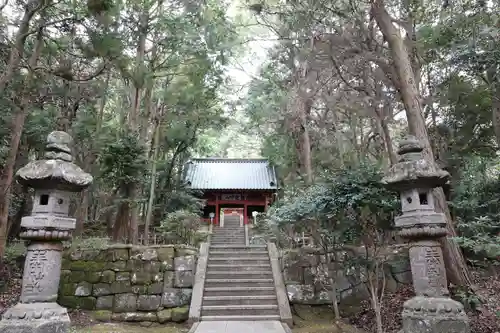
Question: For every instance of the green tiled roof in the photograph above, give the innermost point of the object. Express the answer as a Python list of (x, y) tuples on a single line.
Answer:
[(226, 174)]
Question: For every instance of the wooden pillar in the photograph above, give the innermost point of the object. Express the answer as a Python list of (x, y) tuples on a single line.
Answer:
[(245, 217), (217, 210)]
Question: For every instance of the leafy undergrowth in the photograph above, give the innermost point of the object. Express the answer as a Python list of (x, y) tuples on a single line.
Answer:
[(318, 319), (10, 288), (485, 318)]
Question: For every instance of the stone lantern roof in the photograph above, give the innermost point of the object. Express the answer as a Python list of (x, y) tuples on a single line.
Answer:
[(412, 170), (56, 170)]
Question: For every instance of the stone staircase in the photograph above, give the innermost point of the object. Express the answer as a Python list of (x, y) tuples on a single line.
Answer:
[(238, 280)]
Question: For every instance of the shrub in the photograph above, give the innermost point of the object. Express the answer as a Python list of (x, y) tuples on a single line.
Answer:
[(181, 227)]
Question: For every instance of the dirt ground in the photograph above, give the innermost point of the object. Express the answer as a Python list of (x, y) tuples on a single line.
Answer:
[(124, 328)]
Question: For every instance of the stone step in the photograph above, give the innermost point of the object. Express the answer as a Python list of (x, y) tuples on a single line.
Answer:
[(246, 247), (228, 238), (239, 291), (232, 310), (237, 267), (241, 318), (239, 249), (239, 274), (238, 260), (228, 233), (240, 300), (228, 242), (241, 252), (239, 282)]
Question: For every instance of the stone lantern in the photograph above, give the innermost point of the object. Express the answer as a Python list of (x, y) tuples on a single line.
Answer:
[(431, 310), (54, 179)]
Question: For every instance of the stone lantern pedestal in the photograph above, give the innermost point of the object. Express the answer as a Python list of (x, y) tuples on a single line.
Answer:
[(54, 179), (431, 310)]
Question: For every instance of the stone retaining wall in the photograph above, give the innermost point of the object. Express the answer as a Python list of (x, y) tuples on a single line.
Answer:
[(129, 283), (306, 284)]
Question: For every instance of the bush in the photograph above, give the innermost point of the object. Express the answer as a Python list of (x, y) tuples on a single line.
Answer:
[(181, 227), (13, 251), (476, 206), (95, 243)]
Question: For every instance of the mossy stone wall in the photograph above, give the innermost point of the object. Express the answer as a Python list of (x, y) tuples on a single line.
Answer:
[(130, 283)]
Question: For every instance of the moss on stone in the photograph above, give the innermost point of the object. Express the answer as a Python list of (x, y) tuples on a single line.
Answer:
[(101, 289), (180, 314), (77, 276), (164, 316), (108, 276), (117, 266), (116, 254), (87, 266), (121, 287), (87, 303), (66, 263), (90, 254), (67, 289), (102, 315), (68, 301), (93, 277), (75, 302), (65, 276), (165, 253)]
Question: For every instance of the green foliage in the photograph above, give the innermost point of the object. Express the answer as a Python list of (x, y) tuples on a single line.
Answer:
[(467, 297), (94, 243), (13, 251), (476, 204), (348, 204), (124, 161), (181, 200), (182, 227)]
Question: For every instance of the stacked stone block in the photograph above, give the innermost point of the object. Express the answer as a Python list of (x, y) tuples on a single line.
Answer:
[(305, 284), (129, 283)]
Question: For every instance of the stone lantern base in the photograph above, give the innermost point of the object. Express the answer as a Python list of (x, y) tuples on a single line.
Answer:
[(35, 318), (434, 315)]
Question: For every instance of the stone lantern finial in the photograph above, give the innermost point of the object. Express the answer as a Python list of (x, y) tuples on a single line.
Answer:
[(56, 170), (412, 169), (414, 177), (54, 179)]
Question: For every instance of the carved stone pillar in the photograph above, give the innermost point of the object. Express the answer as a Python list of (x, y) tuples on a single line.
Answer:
[(54, 179), (431, 310)]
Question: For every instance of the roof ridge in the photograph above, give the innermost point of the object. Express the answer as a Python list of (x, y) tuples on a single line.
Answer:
[(229, 160)]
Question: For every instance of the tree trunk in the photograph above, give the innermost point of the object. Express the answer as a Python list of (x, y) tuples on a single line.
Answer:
[(17, 50), (16, 132), (387, 136), (152, 188), (82, 212), (304, 110), (133, 122), (456, 266), (495, 108)]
